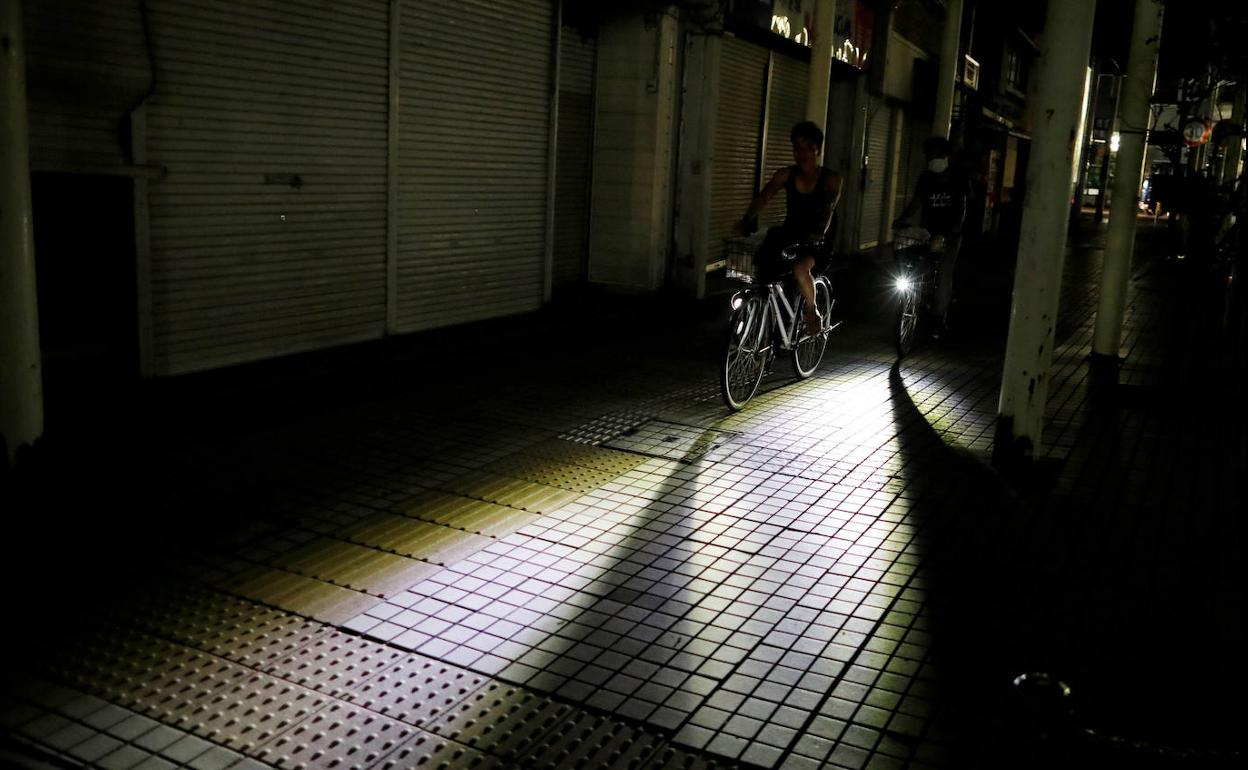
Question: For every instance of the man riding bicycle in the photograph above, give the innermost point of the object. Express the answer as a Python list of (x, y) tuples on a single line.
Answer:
[(811, 194), (940, 199)]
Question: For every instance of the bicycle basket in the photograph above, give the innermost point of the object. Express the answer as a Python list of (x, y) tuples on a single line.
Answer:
[(910, 243)]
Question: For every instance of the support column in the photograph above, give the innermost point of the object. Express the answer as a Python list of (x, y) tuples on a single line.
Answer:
[(21, 384), (1135, 115), (1054, 104), (947, 76), (821, 63)]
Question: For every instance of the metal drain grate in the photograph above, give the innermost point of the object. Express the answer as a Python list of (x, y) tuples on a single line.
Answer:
[(671, 440)]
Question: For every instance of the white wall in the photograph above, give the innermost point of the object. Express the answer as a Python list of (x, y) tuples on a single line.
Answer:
[(633, 144)]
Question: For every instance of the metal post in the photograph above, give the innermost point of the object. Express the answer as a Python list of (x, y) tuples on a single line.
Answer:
[(552, 154), (1103, 190), (21, 384), (1137, 92), (392, 168), (1234, 145), (947, 76), (1054, 102)]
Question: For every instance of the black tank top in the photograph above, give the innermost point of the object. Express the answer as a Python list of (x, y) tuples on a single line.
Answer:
[(803, 212)]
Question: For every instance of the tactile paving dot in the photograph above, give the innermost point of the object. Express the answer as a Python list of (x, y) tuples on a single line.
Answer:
[(335, 663), (226, 702), (429, 752), (417, 690), (264, 638), (341, 735), (111, 661), (583, 740), (505, 721)]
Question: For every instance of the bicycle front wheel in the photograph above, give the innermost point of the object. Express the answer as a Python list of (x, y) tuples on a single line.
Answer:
[(745, 357), (908, 320), (810, 347)]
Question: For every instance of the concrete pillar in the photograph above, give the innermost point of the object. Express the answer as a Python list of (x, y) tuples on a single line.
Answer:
[(1135, 115), (699, 111), (634, 138), (21, 384), (821, 63), (1054, 104), (947, 75)]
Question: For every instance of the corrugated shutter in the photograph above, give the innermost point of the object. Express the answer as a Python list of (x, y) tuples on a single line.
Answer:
[(268, 234), (878, 123), (572, 164), (475, 106), (738, 131), (786, 108), (87, 66)]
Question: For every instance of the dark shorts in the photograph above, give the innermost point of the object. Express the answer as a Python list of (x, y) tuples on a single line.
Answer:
[(771, 265)]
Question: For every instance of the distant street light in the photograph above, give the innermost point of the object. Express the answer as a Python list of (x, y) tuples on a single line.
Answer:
[(1114, 140)]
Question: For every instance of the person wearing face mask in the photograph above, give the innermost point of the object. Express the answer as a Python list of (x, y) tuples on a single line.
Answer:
[(940, 200)]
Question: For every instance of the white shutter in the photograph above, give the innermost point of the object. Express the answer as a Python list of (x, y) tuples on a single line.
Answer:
[(786, 107), (738, 131), (268, 233), (878, 117), (473, 138), (87, 66), (572, 164)]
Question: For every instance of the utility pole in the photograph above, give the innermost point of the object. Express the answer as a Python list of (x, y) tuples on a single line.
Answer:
[(1055, 101), (947, 76), (1137, 93), (21, 384), (1103, 191)]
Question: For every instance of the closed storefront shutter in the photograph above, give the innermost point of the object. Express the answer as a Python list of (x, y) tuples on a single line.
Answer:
[(87, 67), (572, 165), (879, 117), (473, 141), (268, 233), (785, 108), (738, 132)]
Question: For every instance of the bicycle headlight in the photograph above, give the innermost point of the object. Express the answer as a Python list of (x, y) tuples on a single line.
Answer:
[(903, 284), (737, 302)]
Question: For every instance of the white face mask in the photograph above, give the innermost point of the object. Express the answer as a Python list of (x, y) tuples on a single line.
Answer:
[(938, 165)]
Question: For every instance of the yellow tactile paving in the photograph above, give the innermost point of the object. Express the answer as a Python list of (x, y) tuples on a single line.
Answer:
[(516, 493), (303, 595), (478, 516), (354, 566), (415, 539)]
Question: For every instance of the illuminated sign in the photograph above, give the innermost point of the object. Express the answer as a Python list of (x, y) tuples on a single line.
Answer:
[(852, 33), (793, 19)]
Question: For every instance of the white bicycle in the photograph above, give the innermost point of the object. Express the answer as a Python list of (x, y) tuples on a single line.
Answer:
[(769, 317)]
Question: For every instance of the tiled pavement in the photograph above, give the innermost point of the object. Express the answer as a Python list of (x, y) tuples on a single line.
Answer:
[(559, 550)]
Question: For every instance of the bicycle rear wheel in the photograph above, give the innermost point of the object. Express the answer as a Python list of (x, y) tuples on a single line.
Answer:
[(907, 324), (745, 357), (808, 351)]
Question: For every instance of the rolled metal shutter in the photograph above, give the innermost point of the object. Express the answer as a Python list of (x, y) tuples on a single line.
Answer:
[(268, 234), (786, 107), (879, 116), (572, 164), (738, 133), (87, 67), (474, 125)]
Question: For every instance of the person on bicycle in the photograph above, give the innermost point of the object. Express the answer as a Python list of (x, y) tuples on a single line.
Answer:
[(940, 195), (811, 194)]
